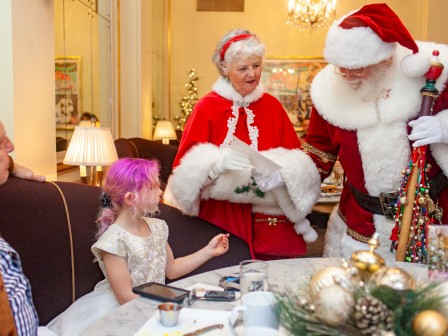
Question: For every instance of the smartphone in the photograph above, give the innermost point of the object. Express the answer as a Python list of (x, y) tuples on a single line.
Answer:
[(219, 295), (230, 282), (161, 292)]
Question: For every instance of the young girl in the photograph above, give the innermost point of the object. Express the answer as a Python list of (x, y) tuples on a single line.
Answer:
[(132, 249)]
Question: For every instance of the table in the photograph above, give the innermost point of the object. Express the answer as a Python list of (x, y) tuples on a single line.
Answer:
[(283, 275)]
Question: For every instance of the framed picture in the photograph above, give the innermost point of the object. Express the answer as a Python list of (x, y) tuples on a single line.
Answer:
[(68, 90), (289, 80)]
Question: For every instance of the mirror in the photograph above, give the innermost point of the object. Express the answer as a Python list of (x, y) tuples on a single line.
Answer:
[(83, 66)]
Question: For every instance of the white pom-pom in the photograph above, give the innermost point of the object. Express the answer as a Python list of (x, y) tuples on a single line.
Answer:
[(304, 228), (415, 65)]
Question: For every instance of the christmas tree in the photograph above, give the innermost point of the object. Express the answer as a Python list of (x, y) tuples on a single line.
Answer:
[(188, 100)]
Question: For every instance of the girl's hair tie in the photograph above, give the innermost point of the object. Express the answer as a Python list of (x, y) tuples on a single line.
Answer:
[(106, 202)]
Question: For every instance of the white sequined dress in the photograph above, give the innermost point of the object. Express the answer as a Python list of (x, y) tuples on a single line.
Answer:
[(146, 260)]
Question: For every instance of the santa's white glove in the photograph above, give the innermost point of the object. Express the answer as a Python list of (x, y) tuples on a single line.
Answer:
[(428, 130), (232, 160), (267, 181)]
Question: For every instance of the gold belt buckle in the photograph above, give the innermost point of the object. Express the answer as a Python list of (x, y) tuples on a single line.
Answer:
[(272, 221)]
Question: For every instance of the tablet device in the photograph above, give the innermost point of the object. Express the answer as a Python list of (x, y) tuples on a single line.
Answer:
[(161, 292)]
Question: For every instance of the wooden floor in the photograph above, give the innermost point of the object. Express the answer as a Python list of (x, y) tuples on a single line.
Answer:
[(318, 221), (315, 250)]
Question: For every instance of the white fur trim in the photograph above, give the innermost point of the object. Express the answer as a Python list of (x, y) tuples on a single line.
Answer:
[(427, 48), (223, 189), (440, 151), (382, 170), (304, 228), (188, 184), (224, 88), (295, 200), (356, 47), (302, 181), (185, 183), (415, 65), (338, 244), (398, 98)]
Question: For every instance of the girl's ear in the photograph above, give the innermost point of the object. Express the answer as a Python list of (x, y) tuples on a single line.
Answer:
[(129, 198)]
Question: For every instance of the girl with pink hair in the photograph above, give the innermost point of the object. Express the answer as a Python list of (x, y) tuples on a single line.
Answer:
[(132, 248)]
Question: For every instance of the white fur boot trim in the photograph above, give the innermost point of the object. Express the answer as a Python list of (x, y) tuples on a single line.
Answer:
[(338, 244)]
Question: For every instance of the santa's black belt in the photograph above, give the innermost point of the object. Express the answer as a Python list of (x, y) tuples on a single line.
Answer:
[(385, 204)]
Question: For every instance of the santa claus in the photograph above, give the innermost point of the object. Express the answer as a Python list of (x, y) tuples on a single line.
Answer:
[(366, 111)]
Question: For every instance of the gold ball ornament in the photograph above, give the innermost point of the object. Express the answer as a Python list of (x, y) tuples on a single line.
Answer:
[(334, 305), (430, 323), (394, 277), (329, 276), (368, 262)]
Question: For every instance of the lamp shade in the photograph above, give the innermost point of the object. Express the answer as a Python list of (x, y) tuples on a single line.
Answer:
[(164, 130), (91, 146)]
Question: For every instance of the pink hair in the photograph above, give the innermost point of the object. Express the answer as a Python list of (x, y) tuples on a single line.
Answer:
[(123, 176)]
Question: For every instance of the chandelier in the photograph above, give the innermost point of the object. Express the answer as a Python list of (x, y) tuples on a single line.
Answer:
[(309, 14)]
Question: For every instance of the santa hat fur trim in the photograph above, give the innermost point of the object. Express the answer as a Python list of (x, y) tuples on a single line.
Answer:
[(355, 48), (366, 37)]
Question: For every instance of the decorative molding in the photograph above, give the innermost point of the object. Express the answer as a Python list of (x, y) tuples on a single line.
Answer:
[(220, 5)]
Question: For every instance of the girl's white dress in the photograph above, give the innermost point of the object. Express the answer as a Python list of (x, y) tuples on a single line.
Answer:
[(146, 260)]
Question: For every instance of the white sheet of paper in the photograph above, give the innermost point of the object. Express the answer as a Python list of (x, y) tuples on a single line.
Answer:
[(256, 159)]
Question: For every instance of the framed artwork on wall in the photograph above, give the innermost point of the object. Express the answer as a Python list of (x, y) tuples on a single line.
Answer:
[(289, 80), (68, 90)]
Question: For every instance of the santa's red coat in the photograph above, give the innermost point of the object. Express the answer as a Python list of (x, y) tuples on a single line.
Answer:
[(369, 135)]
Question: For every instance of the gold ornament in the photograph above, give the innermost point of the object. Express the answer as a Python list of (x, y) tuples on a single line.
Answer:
[(394, 277), (334, 305), (329, 276), (368, 262), (430, 323)]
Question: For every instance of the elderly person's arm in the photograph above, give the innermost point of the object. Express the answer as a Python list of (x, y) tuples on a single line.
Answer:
[(22, 172)]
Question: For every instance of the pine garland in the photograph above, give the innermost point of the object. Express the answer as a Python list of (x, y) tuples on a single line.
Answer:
[(296, 311)]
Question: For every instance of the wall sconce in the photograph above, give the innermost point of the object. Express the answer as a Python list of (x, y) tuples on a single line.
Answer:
[(94, 147), (164, 131)]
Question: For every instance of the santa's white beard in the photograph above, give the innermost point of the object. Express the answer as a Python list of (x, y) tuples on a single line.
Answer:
[(370, 88)]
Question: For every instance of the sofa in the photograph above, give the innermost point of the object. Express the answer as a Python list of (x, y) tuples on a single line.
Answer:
[(148, 149), (52, 227)]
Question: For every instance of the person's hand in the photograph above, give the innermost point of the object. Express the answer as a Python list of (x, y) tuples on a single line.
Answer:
[(219, 244), (428, 130), (267, 181), (26, 174), (232, 160)]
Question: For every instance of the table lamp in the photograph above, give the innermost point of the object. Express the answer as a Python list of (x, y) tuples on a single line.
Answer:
[(164, 131), (94, 147)]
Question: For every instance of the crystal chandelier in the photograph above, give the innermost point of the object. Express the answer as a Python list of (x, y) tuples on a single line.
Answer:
[(309, 14)]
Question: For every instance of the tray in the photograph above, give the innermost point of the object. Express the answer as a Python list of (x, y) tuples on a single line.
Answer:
[(190, 319)]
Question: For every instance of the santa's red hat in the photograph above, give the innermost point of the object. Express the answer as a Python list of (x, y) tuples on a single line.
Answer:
[(369, 36)]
